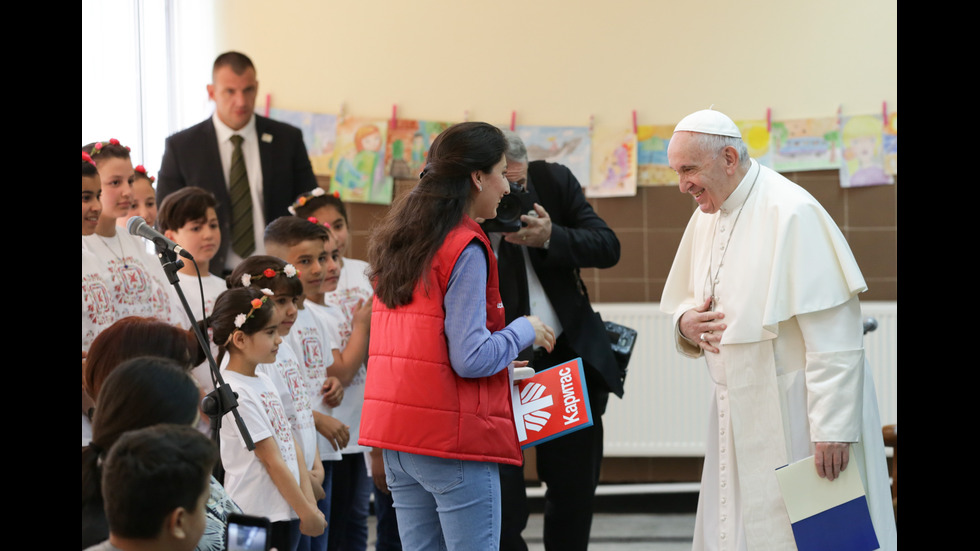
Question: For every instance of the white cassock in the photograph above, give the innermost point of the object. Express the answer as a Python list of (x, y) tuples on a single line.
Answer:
[(791, 368)]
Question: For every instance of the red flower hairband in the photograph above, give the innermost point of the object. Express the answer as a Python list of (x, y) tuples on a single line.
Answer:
[(302, 199), (97, 148), (315, 221), (86, 158), (142, 170)]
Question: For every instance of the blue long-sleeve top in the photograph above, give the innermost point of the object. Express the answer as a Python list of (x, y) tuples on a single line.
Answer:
[(473, 350)]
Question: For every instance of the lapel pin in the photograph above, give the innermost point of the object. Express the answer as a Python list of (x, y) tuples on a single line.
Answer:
[(267, 138)]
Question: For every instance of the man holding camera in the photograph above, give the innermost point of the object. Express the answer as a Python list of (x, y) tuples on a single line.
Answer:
[(539, 274)]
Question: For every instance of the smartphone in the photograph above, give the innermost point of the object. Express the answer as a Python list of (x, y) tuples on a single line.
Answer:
[(247, 533)]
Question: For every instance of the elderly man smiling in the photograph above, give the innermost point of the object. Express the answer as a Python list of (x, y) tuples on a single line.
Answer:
[(765, 287)]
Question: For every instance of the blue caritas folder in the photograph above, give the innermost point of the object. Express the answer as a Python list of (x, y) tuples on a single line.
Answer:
[(824, 514)]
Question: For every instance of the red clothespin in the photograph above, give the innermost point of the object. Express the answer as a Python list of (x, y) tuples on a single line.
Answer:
[(268, 102), (769, 119), (634, 123), (513, 120), (394, 116), (591, 124), (884, 114)]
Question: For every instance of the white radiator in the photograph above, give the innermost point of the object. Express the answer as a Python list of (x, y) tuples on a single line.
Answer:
[(664, 410)]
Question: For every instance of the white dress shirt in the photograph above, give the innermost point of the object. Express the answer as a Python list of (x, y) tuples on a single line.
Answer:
[(253, 167)]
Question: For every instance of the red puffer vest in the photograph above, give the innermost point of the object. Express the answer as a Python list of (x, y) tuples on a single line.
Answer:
[(413, 400)]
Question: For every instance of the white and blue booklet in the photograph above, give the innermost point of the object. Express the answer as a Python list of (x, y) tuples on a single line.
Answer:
[(824, 514)]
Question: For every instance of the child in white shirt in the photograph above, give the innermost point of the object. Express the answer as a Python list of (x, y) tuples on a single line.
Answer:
[(269, 481)]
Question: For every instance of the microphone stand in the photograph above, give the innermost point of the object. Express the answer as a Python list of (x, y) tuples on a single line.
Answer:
[(222, 399)]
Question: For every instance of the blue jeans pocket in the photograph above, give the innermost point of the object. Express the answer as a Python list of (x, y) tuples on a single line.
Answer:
[(436, 474)]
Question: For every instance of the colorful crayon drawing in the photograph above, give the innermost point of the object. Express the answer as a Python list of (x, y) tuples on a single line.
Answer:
[(614, 173), (755, 134), (567, 145), (358, 161), (319, 131), (862, 154), (408, 147), (651, 155), (805, 144), (890, 144)]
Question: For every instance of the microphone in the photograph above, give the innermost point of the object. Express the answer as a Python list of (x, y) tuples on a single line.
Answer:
[(138, 227)]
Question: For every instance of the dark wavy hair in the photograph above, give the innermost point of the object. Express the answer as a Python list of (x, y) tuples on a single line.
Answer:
[(401, 247), (227, 307), (140, 392), (89, 169), (185, 205), (254, 265), (314, 203), (135, 336), (106, 150)]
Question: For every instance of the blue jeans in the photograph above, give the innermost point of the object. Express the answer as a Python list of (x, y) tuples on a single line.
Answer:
[(444, 503)]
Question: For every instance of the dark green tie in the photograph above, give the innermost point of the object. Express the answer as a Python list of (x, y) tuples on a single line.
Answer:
[(242, 228)]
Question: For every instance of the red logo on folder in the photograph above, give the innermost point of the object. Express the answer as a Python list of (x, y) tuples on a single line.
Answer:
[(552, 403)]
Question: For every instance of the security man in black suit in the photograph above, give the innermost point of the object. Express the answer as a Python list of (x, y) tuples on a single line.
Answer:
[(245, 160)]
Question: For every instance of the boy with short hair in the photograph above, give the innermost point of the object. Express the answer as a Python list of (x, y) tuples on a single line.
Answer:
[(347, 325), (189, 218), (301, 243), (155, 484)]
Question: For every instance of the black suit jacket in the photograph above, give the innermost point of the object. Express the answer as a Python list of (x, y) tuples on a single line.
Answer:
[(191, 158), (579, 239)]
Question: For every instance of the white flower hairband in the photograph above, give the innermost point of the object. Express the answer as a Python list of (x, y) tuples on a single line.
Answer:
[(256, 303), (316, 192), (288, 270)]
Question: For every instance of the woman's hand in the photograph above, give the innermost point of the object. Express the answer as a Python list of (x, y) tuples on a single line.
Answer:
[(378, 470), (544, 336)]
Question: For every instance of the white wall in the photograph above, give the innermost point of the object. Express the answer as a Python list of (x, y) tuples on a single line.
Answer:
[(559, 61)]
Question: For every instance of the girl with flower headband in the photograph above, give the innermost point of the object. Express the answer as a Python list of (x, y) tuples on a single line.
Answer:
[(298, 389), (328, 209), (138, 285), (269, 482), (98, 310), (144, 198)]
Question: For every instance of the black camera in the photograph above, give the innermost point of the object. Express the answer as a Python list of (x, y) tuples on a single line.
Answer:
[(509, 211)]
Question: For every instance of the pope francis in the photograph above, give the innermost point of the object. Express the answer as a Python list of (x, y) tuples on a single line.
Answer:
[(765, 287)]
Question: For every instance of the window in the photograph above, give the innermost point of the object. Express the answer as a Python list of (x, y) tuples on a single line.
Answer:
[(145, 65)]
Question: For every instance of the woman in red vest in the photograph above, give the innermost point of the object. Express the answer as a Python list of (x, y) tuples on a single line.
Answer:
[(437, 397)]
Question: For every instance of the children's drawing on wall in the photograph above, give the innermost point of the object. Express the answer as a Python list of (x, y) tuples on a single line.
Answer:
[(890, 144), (319, 131), (755, 134), (651, 155), (805, 144), (358, 161), (614, 166), (567, 145), (862, 153), (408, 146)]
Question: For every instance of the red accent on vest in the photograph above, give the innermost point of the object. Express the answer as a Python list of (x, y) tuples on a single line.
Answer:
[(413, 400)]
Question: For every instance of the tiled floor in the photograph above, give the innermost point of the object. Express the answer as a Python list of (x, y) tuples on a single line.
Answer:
[(630, 530)]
